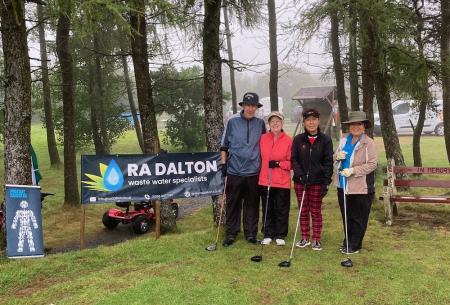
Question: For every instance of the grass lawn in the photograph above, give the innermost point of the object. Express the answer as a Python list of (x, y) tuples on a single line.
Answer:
[(407, 263)]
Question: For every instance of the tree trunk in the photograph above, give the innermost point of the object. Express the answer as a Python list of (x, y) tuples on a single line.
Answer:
[(212, 78), (230, 56), (353, 58), (390, 137), (137, 124), (50, 129), (338, 71), (367, 68), (71, 196), (418, 133), (17, 81), (273, 81), (142, 77), (100, 96), (445, 70), (98, 145), (425, 96)]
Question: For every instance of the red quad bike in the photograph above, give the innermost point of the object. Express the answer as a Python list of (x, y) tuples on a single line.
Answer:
[(141, 217)]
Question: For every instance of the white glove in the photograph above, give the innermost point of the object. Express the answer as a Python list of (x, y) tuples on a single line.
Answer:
[(347, 172), (341, 155)]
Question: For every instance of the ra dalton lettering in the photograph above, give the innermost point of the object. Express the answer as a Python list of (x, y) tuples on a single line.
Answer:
[(172, 168)]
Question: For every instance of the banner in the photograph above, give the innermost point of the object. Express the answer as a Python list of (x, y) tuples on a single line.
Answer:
[(23, 221), (119, 178)]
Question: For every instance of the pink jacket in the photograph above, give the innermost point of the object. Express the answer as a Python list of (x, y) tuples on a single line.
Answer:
[(277, 150)]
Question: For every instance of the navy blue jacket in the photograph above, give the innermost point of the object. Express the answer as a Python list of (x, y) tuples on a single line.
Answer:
[(241, 141)]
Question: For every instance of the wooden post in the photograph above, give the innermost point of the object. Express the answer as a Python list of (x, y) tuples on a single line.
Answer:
[(158, 219), (388, 191), (82, 225)]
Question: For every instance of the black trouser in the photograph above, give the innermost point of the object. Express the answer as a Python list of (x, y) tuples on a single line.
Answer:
[(277, 219), (242, 192), (358, 210)]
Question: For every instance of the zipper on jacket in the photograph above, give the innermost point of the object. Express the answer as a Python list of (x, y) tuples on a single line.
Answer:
[(309, 164), (248, 131)]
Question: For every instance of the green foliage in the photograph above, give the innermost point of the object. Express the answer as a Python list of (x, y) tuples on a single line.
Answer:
[(180, 95)]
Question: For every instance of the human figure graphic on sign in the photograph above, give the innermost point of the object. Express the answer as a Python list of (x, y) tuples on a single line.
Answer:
[(25, 217)]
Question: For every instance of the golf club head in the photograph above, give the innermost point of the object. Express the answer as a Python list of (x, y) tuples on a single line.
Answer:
[(256, 258), (285, 264), (211, 247), (347, 263)]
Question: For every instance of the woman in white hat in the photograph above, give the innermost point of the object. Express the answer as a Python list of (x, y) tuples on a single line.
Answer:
[(275, 172), (356, 161)]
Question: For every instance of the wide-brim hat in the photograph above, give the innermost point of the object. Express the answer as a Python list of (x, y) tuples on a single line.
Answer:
[(358, 116), (275, 114), (251, 98)]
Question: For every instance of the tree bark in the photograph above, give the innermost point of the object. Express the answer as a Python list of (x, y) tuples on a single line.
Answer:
[(418, 133), (353, 57), (445, 70), (390, 137), (230, 57), (338, 71), (140, 57), (48, 115), (424, 93), (367, 68), (273, 81), (96, 138), (212, 79), (137, 124), (71, 196), (100, 96), (17, 80)]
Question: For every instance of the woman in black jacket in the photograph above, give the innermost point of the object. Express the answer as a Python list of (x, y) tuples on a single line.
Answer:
[(312, 162)]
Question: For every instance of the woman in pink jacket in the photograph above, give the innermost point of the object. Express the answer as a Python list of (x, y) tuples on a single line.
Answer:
[(275, 172)]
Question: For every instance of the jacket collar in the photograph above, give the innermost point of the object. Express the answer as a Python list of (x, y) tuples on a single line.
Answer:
[(282, 135)]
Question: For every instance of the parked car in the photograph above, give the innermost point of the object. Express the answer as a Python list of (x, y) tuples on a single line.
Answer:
[(406, 114)]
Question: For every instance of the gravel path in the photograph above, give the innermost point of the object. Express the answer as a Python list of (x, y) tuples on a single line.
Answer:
[(124, 232)]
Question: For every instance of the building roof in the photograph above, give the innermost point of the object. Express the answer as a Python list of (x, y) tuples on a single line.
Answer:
[(313, 92)]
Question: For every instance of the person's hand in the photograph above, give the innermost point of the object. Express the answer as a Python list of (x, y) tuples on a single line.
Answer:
[(347, 172), (304, 180), (224, 169), (273, 163), (323, 190), (341, 155)]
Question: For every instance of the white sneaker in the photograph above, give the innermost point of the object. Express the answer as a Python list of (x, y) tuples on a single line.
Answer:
[(280, 242), (266, 241)]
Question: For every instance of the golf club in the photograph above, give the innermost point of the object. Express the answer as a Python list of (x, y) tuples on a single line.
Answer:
[(213, 247), (347, 262), (287, 263), (258, 258)]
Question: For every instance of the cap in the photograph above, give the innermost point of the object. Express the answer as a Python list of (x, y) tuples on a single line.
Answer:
[(275, 114), (311, 112)]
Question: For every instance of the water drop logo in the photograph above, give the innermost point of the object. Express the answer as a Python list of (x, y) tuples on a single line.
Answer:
[(110, 179)]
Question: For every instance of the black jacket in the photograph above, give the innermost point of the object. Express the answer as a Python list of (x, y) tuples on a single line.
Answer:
[(312, 164)]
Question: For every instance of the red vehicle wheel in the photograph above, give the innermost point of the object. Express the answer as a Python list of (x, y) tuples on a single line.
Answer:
[(141, 225), (109, 222)]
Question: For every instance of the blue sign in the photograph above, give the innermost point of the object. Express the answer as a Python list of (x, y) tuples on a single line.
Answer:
[(118, 178), (23, 221)]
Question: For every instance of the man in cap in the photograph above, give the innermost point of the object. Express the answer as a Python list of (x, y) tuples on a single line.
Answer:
[(241, 162)]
